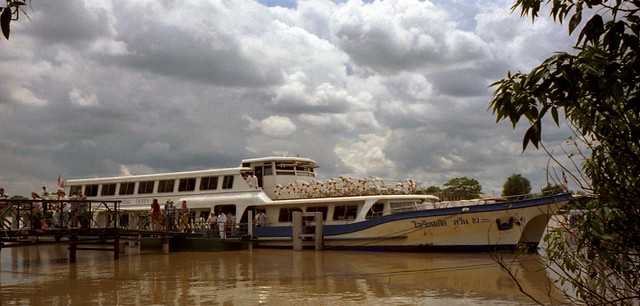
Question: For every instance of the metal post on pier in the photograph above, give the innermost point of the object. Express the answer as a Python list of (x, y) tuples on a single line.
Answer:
[(250, 223), (296, 230)]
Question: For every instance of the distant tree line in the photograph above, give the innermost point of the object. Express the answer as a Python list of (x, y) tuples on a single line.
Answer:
[(466, 188)]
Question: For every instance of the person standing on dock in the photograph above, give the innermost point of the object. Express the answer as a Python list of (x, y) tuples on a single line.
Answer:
[(3, 196), (170, 215), (184, 217), (211, 221), (155, 215), (222, 222), (231, 223), (45, 193)]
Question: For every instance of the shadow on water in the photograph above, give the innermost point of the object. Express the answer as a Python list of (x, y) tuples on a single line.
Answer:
[(41, 275)]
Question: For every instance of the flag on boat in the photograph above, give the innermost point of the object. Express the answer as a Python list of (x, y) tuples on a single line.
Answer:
[(60, 183)]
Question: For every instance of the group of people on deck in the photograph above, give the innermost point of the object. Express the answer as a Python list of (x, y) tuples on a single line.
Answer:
[(218, 222), (45, 212), (224, 224), (171, 218)]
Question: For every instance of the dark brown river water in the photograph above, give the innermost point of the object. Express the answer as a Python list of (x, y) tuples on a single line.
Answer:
[(41, 276)]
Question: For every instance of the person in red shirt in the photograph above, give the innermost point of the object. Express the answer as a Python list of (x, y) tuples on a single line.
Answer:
[(155, 215)]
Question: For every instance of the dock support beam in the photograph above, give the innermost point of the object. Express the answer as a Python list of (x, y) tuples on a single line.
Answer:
[(116, 246), (250, 223), (165, 245), (319, 235), (72, 248), (296, 230)]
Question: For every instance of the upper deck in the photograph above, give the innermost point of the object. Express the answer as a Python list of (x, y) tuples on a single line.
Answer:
[(254, 175)]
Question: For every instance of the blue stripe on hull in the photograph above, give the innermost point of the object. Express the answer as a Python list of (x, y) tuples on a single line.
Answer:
[(340, 229), (528, 247)]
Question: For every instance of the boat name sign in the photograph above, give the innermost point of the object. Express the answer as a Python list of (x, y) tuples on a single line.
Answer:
[(442, 222)]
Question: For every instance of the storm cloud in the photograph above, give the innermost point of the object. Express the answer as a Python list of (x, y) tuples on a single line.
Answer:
[(395, 89)]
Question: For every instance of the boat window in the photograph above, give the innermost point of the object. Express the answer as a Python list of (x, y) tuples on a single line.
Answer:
[(187, 184), (209, 183), (91, 190), (397, 207), (285, 169), (375, 211), (227, 209), (75, 190), (322, 209), (127, 188), (268, 170), (124, 221), (227, 182), (286, 214), (165, 186), (108, 189), (246, 165), (245, 214), (345, 212), (146, 187)]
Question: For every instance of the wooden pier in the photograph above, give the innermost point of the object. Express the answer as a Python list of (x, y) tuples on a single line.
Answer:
[(71, 222)]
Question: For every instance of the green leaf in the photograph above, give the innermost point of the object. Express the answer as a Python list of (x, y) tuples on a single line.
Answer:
[(554, 114), (528, 135), (5, 21), (575, 21), (592, 30)]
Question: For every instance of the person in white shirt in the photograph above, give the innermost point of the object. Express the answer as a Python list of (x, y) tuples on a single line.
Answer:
[(254, 180), (222, 221), (261, 219)]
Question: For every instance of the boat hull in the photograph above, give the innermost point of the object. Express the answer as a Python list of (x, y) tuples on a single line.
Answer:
[(505, 225)]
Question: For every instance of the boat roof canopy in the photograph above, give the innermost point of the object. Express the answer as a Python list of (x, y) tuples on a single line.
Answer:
[(222, 171), (280, 158)]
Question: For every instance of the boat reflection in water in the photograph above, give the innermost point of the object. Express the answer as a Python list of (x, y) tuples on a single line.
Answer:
[(41, 276)]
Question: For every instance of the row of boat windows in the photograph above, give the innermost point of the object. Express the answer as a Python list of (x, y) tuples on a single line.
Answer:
[(146, 187), (281, 169), (340, 213), (348, 212)]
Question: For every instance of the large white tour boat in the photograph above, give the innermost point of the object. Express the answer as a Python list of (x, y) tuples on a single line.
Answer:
[(357, 213)]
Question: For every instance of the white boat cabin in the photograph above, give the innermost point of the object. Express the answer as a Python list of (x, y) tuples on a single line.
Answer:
[(255, 185)]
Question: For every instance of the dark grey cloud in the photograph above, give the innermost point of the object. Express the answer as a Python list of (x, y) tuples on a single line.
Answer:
[(210, 55), (90, 88), (461, 82), (65, 22)]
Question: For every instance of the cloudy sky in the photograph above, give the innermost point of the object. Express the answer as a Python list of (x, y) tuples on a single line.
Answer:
[(393, 89)]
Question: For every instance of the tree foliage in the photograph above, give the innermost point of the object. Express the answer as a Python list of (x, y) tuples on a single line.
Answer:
[(10, 12), (516, 184), (597, 89), (433, 190), (463, 187), (552, 189)]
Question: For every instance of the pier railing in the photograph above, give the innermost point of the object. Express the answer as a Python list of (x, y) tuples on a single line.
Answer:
[(42, 214)]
